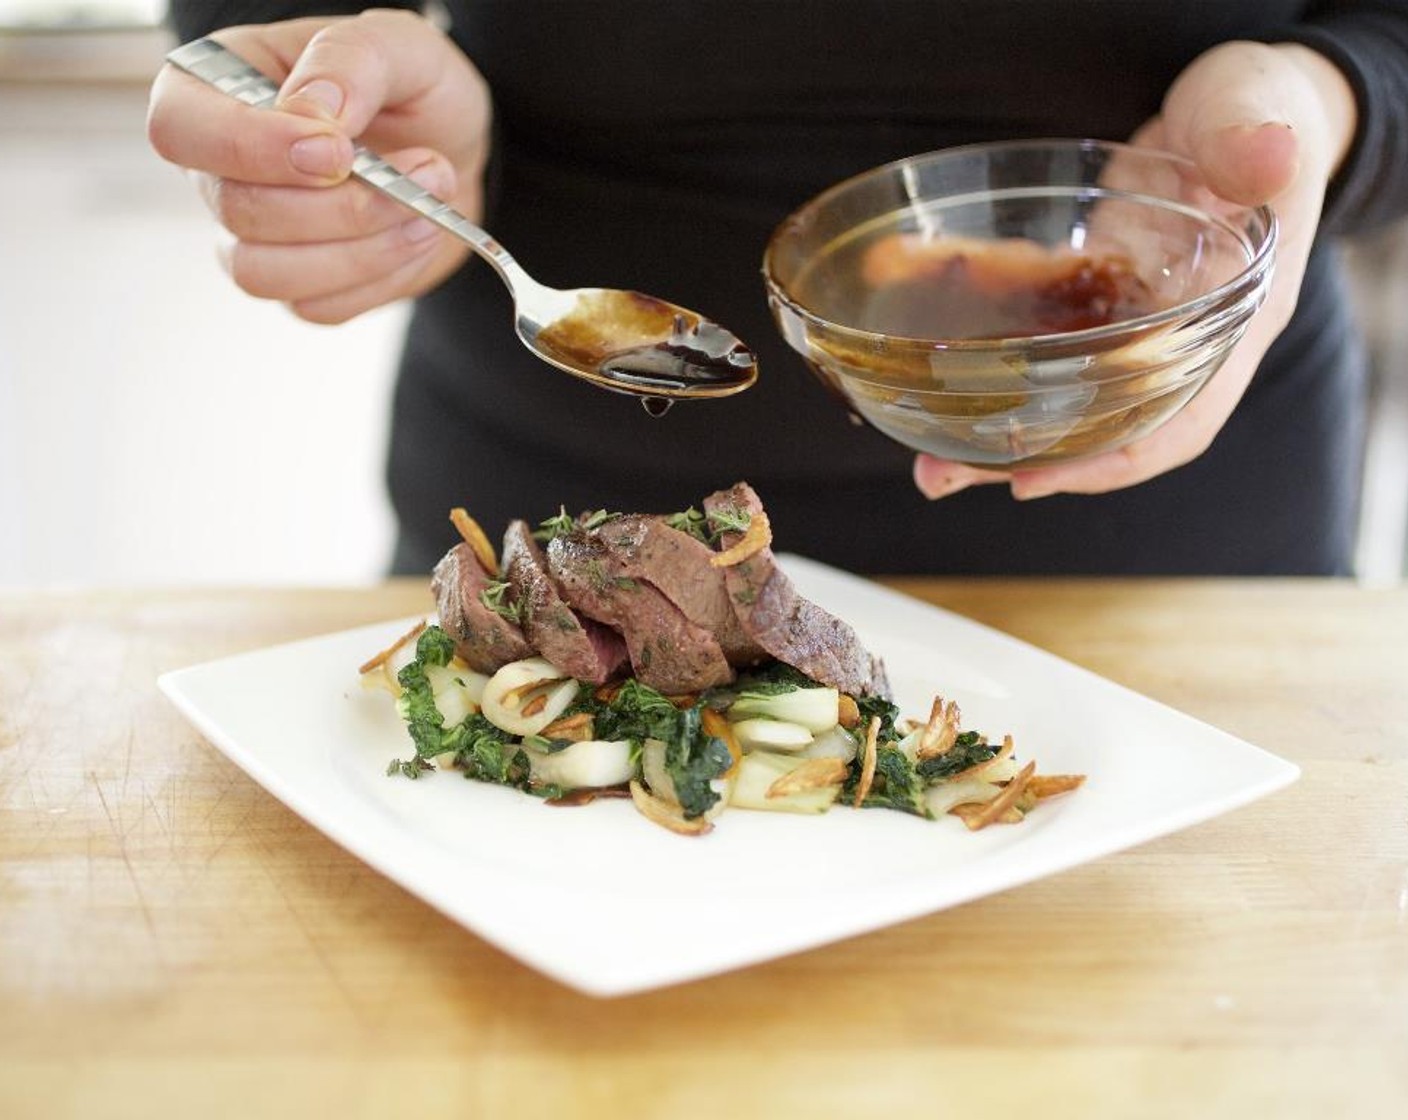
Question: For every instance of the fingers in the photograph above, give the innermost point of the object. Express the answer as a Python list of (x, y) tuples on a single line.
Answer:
[(335, 252), (1232, 112), (298, 272), (352, 68), (198, 127), (384, 77), (370, 73), (1254, 115), (278, 180), (1264, 124), (1249, 164), (291, 215), (407, 279), (194, 126), (1179, 442), (938, 478)]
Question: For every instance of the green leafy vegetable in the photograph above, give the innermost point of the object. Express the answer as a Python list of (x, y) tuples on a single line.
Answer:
[(488, 753), (969, 749), (897, 785), (636, 712), (480, 749), (773, 679), (416, 703), (876, 705), (693, 759)]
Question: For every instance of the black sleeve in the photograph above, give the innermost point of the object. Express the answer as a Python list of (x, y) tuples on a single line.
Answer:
[(190, 19), (1368, 41)]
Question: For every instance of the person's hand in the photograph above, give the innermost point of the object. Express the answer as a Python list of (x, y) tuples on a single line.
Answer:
[(300, 230), (1264, 124)]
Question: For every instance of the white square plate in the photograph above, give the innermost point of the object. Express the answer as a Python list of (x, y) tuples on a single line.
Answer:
[(606, 902)]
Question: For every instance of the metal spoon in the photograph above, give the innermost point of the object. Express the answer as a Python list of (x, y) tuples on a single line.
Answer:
[(614, 339)]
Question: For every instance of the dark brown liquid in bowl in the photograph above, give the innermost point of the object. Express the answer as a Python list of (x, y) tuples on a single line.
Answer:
[(958, 289), (1003, 406)]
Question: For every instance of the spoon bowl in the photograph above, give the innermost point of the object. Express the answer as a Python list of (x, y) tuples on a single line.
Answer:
[(619, 340)]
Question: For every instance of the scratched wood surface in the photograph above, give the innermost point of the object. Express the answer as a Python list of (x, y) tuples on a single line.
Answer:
[(173, 941)]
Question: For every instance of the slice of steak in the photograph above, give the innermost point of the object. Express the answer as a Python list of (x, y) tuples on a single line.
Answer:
[(579, 647), (483, 637), (677, 565), (667, 651), (790, 627)]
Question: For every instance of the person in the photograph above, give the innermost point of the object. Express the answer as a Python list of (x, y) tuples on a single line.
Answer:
[(655, 146)]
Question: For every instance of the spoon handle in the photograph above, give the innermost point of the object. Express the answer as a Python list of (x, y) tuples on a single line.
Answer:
[(222, 68)]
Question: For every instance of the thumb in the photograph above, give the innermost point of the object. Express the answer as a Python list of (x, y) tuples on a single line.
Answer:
[(354, 68), (1233, 112)]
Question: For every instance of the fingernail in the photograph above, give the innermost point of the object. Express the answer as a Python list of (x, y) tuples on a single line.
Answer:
[(324, 96), (325, 156), (419, 229)]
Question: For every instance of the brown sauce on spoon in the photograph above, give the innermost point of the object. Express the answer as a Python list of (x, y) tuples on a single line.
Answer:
[(645, 345)]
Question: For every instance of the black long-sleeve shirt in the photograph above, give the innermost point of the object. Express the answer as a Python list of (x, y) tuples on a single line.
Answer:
[(656, 145)]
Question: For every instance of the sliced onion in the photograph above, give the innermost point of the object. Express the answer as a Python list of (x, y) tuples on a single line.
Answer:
[(525, 696), (590, 764), (771, 735)]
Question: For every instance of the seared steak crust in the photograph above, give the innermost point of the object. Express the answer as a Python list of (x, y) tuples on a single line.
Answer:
[(667, 651), (483, 637), (580, 648), (634, 589), (677, 565), (791, 628)]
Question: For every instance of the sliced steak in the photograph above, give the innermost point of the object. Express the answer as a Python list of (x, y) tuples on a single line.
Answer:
[(579, 647), (482, 636), (677, 565), (791, 628), (667, 651)]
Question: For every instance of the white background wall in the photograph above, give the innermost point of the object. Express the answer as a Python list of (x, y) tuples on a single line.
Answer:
[(156, 425)]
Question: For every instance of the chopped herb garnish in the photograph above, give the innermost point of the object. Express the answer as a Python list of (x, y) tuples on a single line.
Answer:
[(690, 521), (729, 519), (554, 527), (596, 519), (563, 523), (497, 596)]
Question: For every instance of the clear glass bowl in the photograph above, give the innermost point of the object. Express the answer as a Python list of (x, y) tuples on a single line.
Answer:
[(1026, 302)]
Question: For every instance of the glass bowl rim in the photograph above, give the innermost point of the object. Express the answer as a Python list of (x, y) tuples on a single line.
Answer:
[(1260, 262)]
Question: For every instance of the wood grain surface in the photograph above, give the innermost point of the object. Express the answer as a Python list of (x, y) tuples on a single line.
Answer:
[(175, 942)]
